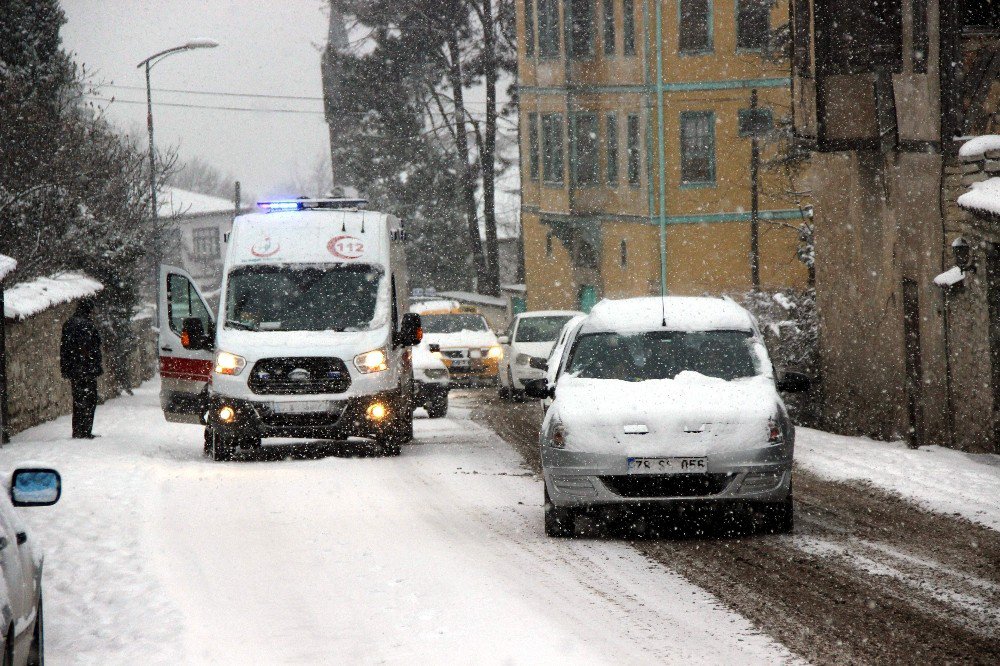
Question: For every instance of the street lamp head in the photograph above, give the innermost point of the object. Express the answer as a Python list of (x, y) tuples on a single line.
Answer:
[(201, 43)]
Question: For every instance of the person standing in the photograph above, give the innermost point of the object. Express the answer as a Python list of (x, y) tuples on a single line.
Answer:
[(81, 363)]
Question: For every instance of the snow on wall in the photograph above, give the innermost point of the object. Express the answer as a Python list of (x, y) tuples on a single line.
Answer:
[(984, 196), (7, 265), (978, 146), (27, 299)]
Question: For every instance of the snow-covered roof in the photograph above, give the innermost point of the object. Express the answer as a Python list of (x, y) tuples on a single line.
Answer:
[(983, 197), (7, 265), (682, 313), (978, 146), (26, 299), (173, 201), (478, 299)]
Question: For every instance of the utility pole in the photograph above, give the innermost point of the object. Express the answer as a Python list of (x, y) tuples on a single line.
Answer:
[(755, 131)]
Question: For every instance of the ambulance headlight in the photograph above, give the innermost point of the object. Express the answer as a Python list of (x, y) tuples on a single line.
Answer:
[(373, 361), (229, 364)]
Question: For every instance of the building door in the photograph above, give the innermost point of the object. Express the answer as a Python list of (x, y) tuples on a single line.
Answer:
[(993, 295), (914, 365), (588, 297)]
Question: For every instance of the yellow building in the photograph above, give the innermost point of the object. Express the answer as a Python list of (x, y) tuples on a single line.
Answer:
[(593, 158)]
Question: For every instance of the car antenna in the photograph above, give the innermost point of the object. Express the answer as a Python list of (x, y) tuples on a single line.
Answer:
[(362, 221), (343, 223)]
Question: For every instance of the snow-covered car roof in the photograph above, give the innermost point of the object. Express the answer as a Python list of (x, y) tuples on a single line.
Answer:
[(681, 313), (437, 306), (549, 313)]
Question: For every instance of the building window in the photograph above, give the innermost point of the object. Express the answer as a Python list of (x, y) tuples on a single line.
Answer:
[(205, 243), (548, 245), (608, 12), (697, 148), (753, 24), (634, 158), (533, 146), (695, 32), (585, 149), (612, 137), (548, 28), (628, 27), (841, 27), (583, 27), (623, 254), (552, 147), (529, 27)]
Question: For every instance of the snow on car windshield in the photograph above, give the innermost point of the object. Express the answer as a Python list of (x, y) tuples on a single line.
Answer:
[(663, 355), (454, 323), (540, 329), (283, 298)]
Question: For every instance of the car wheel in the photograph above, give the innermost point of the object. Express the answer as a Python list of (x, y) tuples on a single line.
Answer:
[(559, 523), (36, 654), (437, 405), (223, 446)]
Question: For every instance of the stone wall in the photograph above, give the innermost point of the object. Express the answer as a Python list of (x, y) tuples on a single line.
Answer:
[(36, 390)]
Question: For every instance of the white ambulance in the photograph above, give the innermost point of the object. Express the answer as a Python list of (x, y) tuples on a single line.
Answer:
[(312, 338)]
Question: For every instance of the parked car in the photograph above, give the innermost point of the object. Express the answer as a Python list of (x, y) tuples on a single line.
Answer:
[(21, 597), (431, 381), (663, 402), (553, 364), (467, 346), (530, 335)]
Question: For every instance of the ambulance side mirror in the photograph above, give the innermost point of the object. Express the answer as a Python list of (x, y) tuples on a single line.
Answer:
[(194, 336), (411, 331)]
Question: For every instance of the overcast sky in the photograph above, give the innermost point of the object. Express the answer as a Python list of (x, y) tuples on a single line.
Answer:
[(267, 47)]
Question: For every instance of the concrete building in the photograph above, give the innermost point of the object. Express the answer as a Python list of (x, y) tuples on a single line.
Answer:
[(600, 172), (900, 358)]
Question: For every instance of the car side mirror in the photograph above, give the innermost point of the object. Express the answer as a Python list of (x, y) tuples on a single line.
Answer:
[(504, 339), (539, 389), (434, 347), (35, 486), (411, 331), (794, 382), (193, 334), (538, 363)]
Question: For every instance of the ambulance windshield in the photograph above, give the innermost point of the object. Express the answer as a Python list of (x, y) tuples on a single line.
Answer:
[(297, 298)]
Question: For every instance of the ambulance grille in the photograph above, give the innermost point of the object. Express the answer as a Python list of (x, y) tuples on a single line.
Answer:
[(299, 376)]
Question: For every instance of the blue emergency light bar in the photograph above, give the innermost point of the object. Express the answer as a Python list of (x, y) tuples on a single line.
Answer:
[(280, 205)]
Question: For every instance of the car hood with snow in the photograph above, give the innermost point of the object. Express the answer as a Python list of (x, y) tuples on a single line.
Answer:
[(689, 415), (255, 345)]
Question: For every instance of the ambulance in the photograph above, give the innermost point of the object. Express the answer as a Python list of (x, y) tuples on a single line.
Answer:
[(312, 339)]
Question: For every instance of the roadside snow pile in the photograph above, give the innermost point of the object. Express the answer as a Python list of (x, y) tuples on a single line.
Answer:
[(984, 196), (7, 265), (26, 299), (938, 479)]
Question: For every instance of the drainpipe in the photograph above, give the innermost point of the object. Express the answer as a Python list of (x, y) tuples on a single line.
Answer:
[(662, 149)]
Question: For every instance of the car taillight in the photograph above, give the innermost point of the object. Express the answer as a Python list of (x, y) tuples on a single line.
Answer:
[(774, 434), (559, 437)]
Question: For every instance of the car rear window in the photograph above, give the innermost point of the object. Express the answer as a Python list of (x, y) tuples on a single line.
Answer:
[(540, 329)]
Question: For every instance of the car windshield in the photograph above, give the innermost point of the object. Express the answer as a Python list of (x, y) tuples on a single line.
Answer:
[(540, 329), (454, 323), (663, 355), (313, 298)]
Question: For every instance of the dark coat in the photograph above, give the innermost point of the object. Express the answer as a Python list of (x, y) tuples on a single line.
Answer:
[(80, 350)]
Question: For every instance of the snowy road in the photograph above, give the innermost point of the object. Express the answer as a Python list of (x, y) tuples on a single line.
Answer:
[(157, 555)]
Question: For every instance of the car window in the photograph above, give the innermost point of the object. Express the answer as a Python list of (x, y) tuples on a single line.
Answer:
[(663, 355), (540, 329), (454, 323)]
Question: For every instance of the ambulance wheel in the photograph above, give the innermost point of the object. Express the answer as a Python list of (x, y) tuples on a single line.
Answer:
[(223, 446)]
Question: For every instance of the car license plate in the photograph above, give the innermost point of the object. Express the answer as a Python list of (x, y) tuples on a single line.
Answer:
[(303, 407), (460, 363), (667, 465)]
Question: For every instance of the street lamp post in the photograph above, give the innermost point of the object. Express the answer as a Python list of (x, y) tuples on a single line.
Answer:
[(148, 64)]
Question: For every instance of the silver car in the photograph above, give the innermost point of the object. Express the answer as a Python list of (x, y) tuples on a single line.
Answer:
[(666, 401)]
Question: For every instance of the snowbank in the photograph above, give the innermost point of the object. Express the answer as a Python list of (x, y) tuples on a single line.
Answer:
[(7, 265), (984, 196), (682, 313), (978, 146), (26, 299), (936, 478)]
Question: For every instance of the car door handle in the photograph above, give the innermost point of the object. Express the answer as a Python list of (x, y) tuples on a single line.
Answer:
[(167, 349), (21, 538)]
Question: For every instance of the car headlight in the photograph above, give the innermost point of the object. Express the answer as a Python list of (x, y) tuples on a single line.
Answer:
[(229, 364), (372, 361), (523, 359), (495, 352)]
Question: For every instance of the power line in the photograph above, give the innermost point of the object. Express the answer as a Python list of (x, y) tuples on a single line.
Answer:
[(216, 93), (205, 106)]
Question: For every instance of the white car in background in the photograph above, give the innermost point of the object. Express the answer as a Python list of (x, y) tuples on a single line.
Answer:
[(531, 335), (21, 597), (431, 381), (665, 402)]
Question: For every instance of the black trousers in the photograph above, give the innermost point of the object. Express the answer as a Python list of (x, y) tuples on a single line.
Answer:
[(84, 404)]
